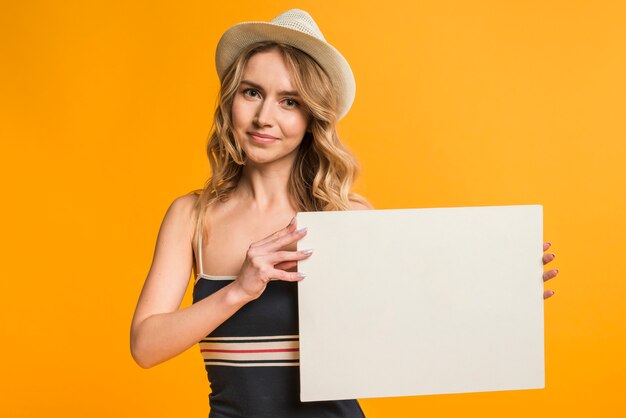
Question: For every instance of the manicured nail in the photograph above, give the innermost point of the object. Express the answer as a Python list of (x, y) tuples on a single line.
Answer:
[(301, 230), (301, 275), (309, 251)]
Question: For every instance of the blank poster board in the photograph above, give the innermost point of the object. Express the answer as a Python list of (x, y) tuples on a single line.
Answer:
[(421, 301)]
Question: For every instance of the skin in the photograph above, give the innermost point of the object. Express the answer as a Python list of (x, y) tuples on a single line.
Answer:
[(254, 243), (549, 274)]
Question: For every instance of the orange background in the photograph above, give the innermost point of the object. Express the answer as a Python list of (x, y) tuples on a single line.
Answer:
[(105, 111)]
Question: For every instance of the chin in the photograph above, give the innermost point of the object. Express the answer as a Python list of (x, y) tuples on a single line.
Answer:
[(265, 158)]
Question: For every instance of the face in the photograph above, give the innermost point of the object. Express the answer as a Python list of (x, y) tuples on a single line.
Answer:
[(269, 120)]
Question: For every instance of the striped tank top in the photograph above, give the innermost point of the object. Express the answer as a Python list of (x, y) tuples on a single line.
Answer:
[(252, 358)]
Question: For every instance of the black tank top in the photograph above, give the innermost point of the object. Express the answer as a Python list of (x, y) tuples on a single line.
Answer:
[(252, 359)]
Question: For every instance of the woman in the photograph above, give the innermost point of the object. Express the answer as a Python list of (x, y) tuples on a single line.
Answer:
[(274, 151)]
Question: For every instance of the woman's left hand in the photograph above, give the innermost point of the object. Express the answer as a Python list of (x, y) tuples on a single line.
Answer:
[(550, 274)]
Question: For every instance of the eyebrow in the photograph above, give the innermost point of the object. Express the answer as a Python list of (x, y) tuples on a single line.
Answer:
[(280, 93)]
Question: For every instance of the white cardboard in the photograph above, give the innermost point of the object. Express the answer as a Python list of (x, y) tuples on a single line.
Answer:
[(421, 301)]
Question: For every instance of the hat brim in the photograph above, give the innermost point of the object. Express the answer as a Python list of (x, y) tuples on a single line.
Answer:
[(332, 62)]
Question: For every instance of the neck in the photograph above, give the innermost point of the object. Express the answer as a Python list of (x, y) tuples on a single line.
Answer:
[(266, 186)]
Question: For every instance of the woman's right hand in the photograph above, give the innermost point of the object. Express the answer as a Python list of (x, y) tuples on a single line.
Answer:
[(264, 261)]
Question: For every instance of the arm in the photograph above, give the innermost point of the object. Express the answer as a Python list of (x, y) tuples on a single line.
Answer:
[(159, 330)]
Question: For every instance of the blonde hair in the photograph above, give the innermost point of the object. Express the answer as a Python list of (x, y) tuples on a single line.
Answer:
[(324, 169)]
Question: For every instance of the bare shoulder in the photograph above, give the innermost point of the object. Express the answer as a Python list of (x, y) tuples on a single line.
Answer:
[(180, 212), (184, 203), (360, 203)]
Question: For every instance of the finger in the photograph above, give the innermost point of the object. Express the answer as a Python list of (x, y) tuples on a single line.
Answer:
[(295, 276), (286, 265), (286, 230), (548, 293), (281, 256), (284, 240), (546, 245), (547, 258), (550, 274)]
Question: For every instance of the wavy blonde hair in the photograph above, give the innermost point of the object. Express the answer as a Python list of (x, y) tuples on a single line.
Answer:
[(324, 169)]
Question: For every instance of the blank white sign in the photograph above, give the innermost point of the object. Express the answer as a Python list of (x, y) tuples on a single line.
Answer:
[(421, 301)]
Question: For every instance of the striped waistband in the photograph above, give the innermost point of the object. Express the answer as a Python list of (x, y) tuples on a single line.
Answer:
[(278, 350)]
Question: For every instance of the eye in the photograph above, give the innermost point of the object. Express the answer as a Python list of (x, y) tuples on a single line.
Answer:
[(250, 93), (290, 103)]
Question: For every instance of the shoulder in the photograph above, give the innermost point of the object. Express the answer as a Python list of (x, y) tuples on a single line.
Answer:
[(359, 203), (183, 207), (180, 214), (184, 204)]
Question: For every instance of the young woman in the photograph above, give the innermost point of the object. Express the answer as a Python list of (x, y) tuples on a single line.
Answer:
[(274, 151)]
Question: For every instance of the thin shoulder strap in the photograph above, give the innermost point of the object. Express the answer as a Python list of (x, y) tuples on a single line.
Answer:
[(200, 247)]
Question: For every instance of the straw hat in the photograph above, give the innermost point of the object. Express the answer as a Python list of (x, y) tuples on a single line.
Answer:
[(296, 28)]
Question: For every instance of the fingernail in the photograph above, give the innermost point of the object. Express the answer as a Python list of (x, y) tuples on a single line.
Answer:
[(292, 221), (549, 243), (301, 275), (553, 255), (301, 230), (309, 251)]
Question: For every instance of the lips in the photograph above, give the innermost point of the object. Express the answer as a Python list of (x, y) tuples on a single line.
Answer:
[(262, 138)]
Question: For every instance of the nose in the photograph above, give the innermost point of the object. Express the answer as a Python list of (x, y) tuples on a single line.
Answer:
[(264, 114)]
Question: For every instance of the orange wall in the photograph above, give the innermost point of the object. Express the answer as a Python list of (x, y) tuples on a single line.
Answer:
[(105, 109)]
